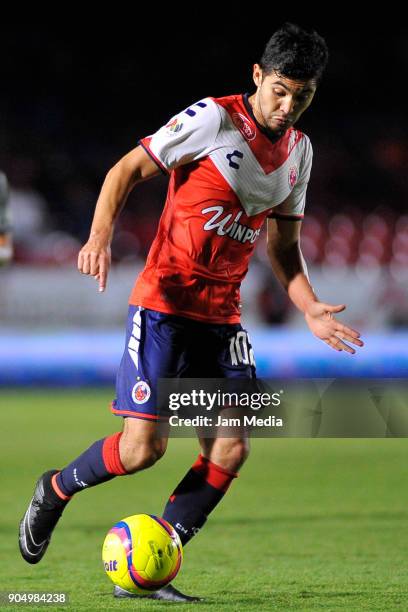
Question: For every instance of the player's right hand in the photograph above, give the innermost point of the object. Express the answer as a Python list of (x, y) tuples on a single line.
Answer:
[(95, 259)]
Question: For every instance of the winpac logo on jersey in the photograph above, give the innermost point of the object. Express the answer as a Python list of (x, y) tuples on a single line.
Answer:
[(226, 227)]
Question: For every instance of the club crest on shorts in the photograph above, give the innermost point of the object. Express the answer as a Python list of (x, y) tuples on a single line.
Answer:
[(141, 392), (292, 176)]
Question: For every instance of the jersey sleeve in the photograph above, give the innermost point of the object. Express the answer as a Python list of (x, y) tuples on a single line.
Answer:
[(186, 137), (294, 206)]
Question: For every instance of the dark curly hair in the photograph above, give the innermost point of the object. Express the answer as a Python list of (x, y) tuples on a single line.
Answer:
[(295, 53)]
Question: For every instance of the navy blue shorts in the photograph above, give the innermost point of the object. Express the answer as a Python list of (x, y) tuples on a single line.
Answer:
[(160, 345)]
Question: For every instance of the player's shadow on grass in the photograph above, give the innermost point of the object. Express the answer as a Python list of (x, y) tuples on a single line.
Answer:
[(153, 604), (310, 594), (266, 520)]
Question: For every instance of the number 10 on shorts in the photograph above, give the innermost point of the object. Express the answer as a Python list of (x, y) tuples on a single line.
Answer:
[(241, 350)]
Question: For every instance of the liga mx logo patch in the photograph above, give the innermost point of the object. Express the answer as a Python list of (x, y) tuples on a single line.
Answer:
[(141, 392), (174, 126), (292, 176)]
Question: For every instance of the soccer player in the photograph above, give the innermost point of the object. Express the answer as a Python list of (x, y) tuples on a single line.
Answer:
[(6, 244), (233, 163)]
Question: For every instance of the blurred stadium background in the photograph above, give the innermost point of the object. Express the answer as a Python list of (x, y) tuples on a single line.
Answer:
[(322, 520), (72, 108)]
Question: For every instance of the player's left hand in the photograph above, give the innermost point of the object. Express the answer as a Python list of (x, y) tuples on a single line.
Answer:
[(324, 325)]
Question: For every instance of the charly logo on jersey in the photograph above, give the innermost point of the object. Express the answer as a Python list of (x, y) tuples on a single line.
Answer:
[(244, 126), (292, 176), (141, 392), (174, 126), (225, 227)]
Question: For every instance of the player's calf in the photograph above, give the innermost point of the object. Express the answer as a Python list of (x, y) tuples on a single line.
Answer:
[(196, 496), (228, 453), (101, 462), (120, 454), (140, 446), (136, 455), (139, 457)]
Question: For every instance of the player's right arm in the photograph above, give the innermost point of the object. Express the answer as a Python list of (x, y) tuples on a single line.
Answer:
[(188, 136), (95, 256)]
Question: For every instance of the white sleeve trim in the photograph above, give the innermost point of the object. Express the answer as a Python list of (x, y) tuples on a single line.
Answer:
[(187, 136)]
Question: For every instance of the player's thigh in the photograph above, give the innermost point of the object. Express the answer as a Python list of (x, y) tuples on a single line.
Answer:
[(235, 355), (231, 357), (155, 349), (221, 351)]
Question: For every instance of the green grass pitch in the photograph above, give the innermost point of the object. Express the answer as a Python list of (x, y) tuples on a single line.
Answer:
[(310, 524)]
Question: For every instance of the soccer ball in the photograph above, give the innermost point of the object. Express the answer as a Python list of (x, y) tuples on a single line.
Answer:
[(142, 553)]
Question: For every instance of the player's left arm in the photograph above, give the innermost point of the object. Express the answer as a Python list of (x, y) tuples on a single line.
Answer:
[(289, 266)]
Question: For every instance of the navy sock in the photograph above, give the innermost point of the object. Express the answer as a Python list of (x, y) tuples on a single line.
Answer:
[(99, 463), (201, 489)]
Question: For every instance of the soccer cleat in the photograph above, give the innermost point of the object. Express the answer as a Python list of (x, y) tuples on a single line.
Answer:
[(40, 519), (167, 593)]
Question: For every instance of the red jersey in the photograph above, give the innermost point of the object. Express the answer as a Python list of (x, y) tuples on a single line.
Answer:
[(226, 176)]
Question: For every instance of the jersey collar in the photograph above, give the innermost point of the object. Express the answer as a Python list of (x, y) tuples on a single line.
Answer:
[(260, 127)]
